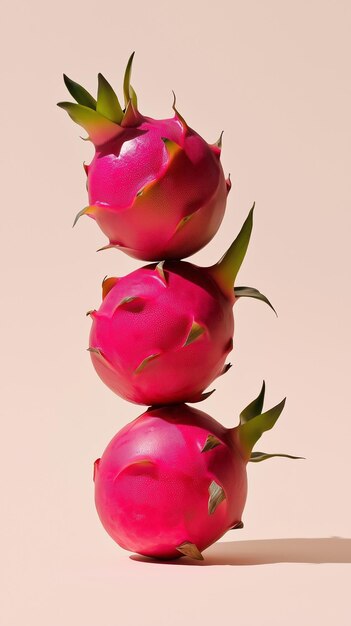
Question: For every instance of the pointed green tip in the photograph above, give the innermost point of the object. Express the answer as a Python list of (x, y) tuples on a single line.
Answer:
[(219, 141), (161, 272), (107, 101), (201, 397), (191, 550), (177, 114), (251, 431), (88, 210), (226, 270), (251, 292), (257, 457), (81, 95), (255, 407), (195, 333), (126, 80), (210, 443), (145, 362), (216, 496), (253, 423)]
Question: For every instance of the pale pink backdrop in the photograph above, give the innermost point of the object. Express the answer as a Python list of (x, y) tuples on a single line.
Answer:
[(275, 75)]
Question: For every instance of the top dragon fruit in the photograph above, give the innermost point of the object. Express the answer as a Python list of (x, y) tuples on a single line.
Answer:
[(156, 188)]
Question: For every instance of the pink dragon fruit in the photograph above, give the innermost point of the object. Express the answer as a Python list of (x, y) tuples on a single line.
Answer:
[(174, 480), (156, 188), (163, 332)]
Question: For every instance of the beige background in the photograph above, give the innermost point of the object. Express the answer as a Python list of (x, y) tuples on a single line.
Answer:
[(275, 75)]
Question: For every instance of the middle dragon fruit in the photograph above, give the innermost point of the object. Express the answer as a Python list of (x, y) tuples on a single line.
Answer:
[(156, 188), (163, 332)]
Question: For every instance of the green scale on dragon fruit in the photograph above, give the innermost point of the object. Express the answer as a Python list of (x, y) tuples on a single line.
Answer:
[(162, 333), (156, 188)]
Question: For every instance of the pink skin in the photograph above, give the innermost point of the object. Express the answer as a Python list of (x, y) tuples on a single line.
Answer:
[(179, 180), (158, 322), (152, 482)]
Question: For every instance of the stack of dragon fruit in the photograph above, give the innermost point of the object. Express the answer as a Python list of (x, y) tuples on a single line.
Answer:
[(174, 480)]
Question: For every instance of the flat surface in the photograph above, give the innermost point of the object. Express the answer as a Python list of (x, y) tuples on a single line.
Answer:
[(275, 76), (295, 580)]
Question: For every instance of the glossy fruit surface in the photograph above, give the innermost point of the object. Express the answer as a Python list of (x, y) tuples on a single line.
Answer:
[(152, 483), (174, 480), (163, 332), (156, 188), (162, 336)]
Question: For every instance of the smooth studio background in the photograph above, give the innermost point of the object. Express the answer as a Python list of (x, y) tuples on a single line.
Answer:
[(275, 76)]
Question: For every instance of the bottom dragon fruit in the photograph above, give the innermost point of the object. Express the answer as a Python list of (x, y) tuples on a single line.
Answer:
[(174, 480)]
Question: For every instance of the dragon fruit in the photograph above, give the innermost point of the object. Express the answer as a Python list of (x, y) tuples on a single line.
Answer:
[(163, 332), (156, 188), (174, 480)]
